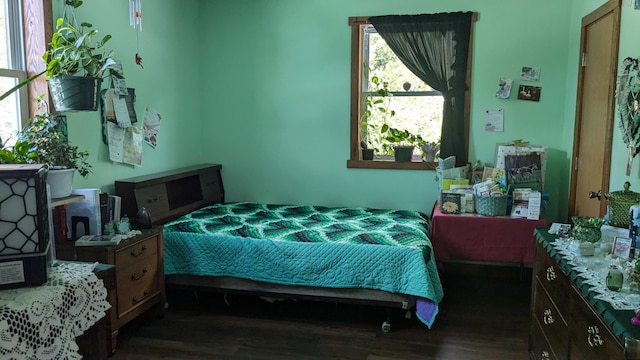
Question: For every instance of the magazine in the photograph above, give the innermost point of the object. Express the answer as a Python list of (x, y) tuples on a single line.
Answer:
[(98, 240)]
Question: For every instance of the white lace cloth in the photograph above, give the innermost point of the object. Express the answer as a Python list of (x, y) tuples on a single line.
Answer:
[(594, 269), (43, 322)]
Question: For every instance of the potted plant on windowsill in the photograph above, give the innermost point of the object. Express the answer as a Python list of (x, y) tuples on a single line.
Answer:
[(430, 150), (43, 142), (400, 143), (76, 63)]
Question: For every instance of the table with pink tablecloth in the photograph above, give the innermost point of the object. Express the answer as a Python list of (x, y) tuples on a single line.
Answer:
[(473, 237)]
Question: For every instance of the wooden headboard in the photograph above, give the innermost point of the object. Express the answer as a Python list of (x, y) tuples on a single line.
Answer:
[(170, 194)]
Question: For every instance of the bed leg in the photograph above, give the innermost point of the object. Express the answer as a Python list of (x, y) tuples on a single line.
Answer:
[(195, 294), (386, 325)]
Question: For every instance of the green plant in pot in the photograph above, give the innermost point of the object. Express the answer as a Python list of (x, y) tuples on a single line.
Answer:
[(400, 143), (76, 62), (376, 103), (42, 141)]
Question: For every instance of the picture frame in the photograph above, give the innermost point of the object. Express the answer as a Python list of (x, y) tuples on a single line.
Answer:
[(621, 247)]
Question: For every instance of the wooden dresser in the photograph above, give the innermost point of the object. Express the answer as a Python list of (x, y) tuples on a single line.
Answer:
[(566, 321), (139, 276)]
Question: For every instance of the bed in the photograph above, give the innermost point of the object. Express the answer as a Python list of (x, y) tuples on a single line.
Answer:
[(342, 254)]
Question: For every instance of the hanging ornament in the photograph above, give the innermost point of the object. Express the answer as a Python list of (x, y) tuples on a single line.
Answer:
[(135, 20), (135, 14)]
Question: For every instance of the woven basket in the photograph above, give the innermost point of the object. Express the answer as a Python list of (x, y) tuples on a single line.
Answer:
[(492, 205)]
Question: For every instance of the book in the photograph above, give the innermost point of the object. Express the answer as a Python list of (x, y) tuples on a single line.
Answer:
[(100, 240), (450, 202)]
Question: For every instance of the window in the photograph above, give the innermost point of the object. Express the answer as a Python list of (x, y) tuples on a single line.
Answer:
[(413, 105), (25, 26), (411, 98), (14, 109)]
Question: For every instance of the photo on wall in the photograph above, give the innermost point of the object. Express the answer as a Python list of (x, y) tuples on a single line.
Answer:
[(530, 73), (531, 93)]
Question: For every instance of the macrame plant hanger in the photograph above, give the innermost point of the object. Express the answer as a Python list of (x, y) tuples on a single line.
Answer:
[(628, 97), (135, 20)]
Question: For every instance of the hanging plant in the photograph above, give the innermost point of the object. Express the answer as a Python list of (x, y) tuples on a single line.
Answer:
[(627, 99)]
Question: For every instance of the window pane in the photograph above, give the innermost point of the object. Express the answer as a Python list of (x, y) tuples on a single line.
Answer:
[(9, 119), (4, 38)]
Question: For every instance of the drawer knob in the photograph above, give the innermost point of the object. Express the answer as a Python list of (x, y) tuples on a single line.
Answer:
[(545, 355), (593, 338), (551, 274), (135, 276), (547, 318), (136, 300), (142, 250)]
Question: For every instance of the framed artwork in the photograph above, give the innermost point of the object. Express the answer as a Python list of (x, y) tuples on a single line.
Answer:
[(621, 247)]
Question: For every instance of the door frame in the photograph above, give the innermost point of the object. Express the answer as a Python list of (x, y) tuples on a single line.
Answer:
[(612, 6)]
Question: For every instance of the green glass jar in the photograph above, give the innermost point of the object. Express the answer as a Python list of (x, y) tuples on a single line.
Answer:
[(614, 278)]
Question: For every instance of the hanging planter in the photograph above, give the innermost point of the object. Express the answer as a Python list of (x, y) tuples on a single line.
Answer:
[(627, 98), (75, 93), (76, 63)]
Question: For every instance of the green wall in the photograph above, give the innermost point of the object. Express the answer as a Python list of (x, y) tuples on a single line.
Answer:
[(262, 87), (169, 83), (281, 120)]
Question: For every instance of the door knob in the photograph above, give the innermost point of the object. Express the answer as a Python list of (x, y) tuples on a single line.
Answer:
[(593, 194)]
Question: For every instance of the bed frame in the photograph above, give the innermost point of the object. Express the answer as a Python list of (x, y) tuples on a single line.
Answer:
[(171, 194)]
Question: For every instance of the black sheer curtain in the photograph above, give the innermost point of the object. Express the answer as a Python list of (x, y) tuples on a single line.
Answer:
[(435, 47)]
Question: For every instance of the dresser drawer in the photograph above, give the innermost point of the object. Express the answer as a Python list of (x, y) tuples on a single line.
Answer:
[(539, 348), (136, 283), (137, 251), (552, 324), (554, 281), (591, 339)]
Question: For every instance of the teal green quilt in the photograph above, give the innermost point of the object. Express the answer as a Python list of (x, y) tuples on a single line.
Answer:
[(339, 247)]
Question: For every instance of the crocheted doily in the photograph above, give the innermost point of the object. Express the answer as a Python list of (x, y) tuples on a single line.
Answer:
[(594, 269), (43, 322)]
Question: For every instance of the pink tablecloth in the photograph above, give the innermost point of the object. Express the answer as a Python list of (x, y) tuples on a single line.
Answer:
[(473, 237)]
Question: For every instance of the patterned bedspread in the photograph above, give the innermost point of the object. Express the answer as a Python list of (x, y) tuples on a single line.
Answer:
[(341, 247)]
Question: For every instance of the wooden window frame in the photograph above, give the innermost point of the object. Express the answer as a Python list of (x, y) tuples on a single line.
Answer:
[(355, 156)]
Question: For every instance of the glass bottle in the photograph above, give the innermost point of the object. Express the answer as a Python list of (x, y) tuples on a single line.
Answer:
[(614, 278)]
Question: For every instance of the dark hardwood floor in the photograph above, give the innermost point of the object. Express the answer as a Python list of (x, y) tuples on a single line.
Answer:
[(484, 315)]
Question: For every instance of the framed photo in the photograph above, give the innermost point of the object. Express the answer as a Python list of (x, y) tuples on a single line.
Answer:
[(531, 93), (621, 247)]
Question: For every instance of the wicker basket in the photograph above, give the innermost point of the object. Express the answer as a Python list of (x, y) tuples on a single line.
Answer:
[(492, 205)]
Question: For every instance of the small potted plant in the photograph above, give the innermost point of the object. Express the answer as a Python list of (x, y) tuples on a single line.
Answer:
[(76, 62), (430, 150), (400, 143), (43, 142)]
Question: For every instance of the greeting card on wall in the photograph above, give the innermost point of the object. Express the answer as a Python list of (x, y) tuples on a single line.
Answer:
[(504, 88), (494, 120), (530, 73)]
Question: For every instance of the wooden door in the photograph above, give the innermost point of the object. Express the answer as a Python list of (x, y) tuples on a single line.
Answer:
[(591, 159)]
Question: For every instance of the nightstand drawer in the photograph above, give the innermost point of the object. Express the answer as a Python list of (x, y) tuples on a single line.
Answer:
[(136, 283), (136, 252)]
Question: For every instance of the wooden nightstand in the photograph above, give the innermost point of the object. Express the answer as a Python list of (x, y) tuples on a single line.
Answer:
[(139, 276)]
